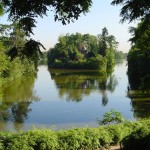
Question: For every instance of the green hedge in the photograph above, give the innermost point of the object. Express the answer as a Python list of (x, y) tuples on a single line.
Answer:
[(138, 140), (73, 139)]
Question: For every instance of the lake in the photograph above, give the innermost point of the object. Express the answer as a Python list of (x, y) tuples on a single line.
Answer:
[(62, 99)]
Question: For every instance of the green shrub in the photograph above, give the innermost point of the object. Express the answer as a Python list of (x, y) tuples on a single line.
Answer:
[(135, 136), (70, 139), (105, 139), (112, 117), (42, 139), (31, 140), (138, 140), (15, 69), (91, 139)]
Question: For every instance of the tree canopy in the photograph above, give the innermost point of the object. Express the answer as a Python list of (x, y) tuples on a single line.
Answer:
[(15, 59), (141, 35), (26, 11), (77, 51), (133, 9), (139, 55)]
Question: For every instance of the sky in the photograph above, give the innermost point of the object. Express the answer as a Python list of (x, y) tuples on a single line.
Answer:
[(101, 15)]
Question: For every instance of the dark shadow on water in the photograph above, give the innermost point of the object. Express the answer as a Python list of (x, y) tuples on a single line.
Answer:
[(139, 93)]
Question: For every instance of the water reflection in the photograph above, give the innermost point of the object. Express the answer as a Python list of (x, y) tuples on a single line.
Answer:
[(15, 102), (74, 85), (59, 92), (139, 93)]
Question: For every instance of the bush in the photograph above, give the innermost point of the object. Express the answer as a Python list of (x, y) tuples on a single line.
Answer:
[(135, 136), (15, 69), (112, 117), (138, 140), (31, 140)]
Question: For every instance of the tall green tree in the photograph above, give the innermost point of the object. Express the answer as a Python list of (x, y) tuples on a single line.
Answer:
[(108, 46), (139, 56), (141, 35), (1, 9), (103, 45)]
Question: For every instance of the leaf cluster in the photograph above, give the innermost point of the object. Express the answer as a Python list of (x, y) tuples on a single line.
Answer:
[(112, 117), (26, 12), (133, 9), (141, 35)]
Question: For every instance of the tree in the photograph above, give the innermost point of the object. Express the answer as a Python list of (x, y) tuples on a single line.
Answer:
[(77, 51), (139, 56), (25, 11), (133, 9), (18, 44), (112, 117), (1, 9), (141, 35), (103, 44), (112, 43), (3, 60), (108, 46)]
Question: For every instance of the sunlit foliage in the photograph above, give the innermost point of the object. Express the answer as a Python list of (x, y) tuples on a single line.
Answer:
[(77, 51)]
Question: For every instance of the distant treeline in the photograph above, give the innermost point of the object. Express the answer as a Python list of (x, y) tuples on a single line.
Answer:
[(43, 58), (119, 55)]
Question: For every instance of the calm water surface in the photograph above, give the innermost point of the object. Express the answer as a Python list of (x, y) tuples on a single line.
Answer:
[(65, 99)]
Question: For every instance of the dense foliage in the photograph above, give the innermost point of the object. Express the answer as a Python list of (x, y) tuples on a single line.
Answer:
[(138, 140), (138, 69), (75, 139), (112, 117), (15, 61), (139, 56), (77, 51), (133, 9)]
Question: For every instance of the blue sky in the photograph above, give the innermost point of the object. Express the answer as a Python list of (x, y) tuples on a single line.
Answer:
[(101, 15)]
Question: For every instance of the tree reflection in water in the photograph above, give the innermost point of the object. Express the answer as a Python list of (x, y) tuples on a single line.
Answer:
[(15, 101), (74, 85), (139, 93)]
